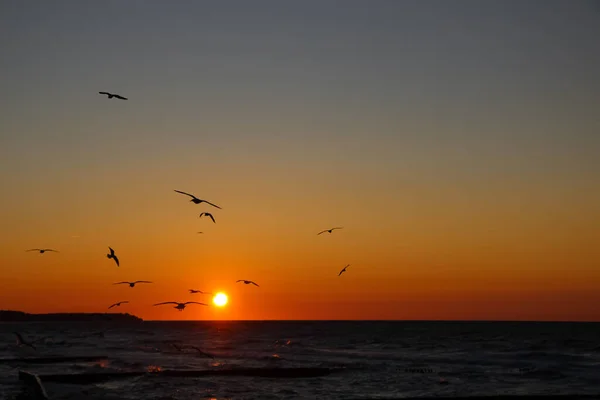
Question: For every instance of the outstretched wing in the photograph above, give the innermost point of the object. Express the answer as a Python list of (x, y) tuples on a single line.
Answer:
[(116, 259), (120, 97), (240, 280), (322, 232), (106, 93), (56, 251), (112, 252), (142, 282), (33, 250), (114, 305), (120, 283), (200, 351), (166, 302), (187, 194), (339, 227), (195, 302), (20, 340), (211, 217), (254, 283), (214, 205)]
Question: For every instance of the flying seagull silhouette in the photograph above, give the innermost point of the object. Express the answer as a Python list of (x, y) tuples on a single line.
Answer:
[(180, 306), (208, 215), (42, 251), (22, 342), (196, 200), (113, 256), (131, 284), (118, 304), (247, 282), (111, 95), (200, 351), (344, 270), (330, 230), (199, 232), (192, 291)]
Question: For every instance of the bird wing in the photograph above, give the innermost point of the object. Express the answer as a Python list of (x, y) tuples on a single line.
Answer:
[(112, 252), (33, 250), (241, 280), (254, 283), (105, 93), (56, 251), (116, 259), (214, 205), (19, 338), (211, 217), (339, 227), (322, 232), (187, 194), (120, 97), (195, 302), (142, 282), (202, 352), (119, 283), (166, 302), (113, 306)]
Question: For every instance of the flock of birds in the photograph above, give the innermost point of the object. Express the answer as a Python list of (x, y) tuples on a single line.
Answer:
[(178, 305)]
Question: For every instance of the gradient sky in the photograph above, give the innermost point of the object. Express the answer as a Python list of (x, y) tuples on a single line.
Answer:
[(457, 142)]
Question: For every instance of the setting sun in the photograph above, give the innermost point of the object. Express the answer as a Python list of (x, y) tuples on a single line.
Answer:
[(220, 299)]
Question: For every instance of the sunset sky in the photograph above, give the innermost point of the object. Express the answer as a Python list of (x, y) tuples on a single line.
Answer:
[(457, 143)]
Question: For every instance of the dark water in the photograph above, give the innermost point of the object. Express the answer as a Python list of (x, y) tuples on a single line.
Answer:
[(376, 359)]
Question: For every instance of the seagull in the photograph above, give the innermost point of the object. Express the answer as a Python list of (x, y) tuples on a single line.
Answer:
[(111, 95), (199, 232), (208, 215), (192, 291), (132, 284), (112, 255), (180, 306), (330, 230), (118, 304), (196, 200), (205, 354), (21, 342), (177, 347), (344, 270), (42, 251), (247, 282)]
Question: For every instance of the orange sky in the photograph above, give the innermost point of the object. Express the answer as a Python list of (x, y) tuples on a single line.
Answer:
[(457, 146)]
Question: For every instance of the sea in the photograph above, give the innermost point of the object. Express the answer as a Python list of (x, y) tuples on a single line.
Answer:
[(369, 359)]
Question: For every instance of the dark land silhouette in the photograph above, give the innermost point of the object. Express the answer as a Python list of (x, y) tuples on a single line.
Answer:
[(19, 316)]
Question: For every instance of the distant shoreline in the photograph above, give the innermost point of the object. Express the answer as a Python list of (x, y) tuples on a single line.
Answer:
[(20, 316)]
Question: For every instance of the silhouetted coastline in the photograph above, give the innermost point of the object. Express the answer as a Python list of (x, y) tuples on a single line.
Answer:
[(19, 316)]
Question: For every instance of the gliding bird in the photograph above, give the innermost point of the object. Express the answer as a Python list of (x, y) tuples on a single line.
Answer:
[(180, 306), (21, 342), (131, 284), (330, 230), (196, 200), (111, 95), (118, 304), (192, 291), (344, 270), (42, 251), (247, 282)]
